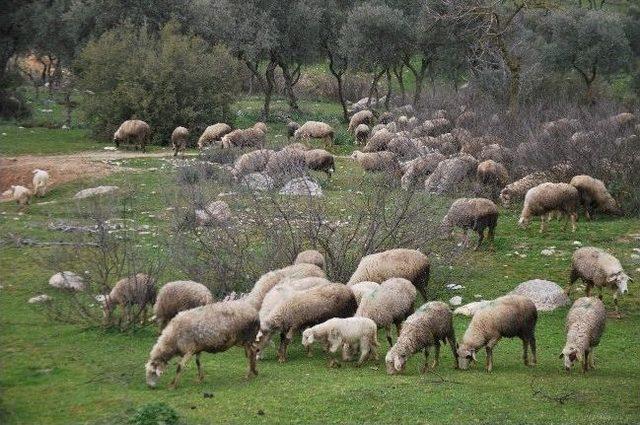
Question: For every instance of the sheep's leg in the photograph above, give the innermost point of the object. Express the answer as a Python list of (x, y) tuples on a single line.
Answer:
[(436, 360), (452, 343), (491, 236), (543, 224), (480, 238), (251, 354), (398, 328), (425, 367), (525, 351), (346, 355), (532, 346), (585, 362), (489, 349), (364, 351), (179, 369), (387, 330), (284, 343), (465, 238), (574, 217), (572, 279), (587, 215), (591, 360), (200, 371), (615, 303)]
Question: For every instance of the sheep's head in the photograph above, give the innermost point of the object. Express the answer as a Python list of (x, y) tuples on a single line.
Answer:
[(621, 281), (466, 355), (262, 339), (505, 197), (308, 337), (355, 155), (395, 362), (570, 355), (154, 369), (446, 227), (523, 223)]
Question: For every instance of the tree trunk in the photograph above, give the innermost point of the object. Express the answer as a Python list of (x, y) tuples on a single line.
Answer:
[(418, 75), (388, 96), (398, 71), (513, 65), (374, 87), (288, 86), (67, 100), (269, 85), (338, 76)]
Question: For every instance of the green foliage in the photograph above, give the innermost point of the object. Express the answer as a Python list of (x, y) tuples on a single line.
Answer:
[(167, 80), (155, 414)]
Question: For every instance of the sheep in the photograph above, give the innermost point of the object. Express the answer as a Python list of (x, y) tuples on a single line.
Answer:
[(136, 130), (311, 256), (548, 198), (345, 333), (377, 161), (450, 173), (361, 134), (286, 164), (491, 176), (305, 309), (179, 139), (617, 122), (386, 118), (594, 194), (212, 328), (292, 126), (598, 268), (472, 213), (585, 324), (213, 133), (178, 296), (436, 127), (297, 146), (315, 130), (361, 289), (378, 141), (40, 182), (251, 162), (518, 189), (138, 290), (561, 128), (403, 147), (430, 325), (320, 160), (247, 138), (20, 194), (419, 169), (261, 126), (389, 305), (496, 152), (410, 264), (362, 117), (466, 118), (505, 317)]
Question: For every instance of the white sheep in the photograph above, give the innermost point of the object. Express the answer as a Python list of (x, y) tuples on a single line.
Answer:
[(594, 194), (361, 117), (450, 173), (213, 133), (362, 289), (136, 130), (20, 194), (547, 198), (40, 182), (179, 139), (251, 162), (178, 296), (346, 334), (472, 213), (134, 291), (377, 161), (315, 130), (419, 169), (310, 256), (585, 324), (361, 134)]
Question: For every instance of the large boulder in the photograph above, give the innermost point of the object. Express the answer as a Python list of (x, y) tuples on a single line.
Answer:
[(67, 280), (95, 191), (546, 295), (257, 181), (216, 212), (301, 186)]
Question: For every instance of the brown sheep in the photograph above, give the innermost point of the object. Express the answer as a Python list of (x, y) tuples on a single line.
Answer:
[(472, 213), (594, 195), (136, 130)]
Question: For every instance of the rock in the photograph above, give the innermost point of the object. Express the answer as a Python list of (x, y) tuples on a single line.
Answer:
[(457, 300), (39, 299), (257, 181), (216, 212), (67, 280), (95, 191), (301, 186), (471, 308), (547, 252), (546, 295), (110, 148), (577, 243)]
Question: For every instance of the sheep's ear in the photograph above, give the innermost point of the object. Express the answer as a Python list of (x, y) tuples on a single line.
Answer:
[(396, 363)]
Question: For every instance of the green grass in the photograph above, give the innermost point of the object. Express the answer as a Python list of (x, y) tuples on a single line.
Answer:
[(42, 141), (64, 374)]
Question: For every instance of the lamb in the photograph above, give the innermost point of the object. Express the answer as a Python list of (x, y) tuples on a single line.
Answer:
[(134, 291), (450, 173), (179, 139), (362, 289), (306, 309), (248, 138), (594, 194), (345, 333), (410, 264), (548, 198), (20, 194), (251, 162), (472, 213), (286, 163), (136, 130), (362, 117), (213, 133), (40, 182), (178, 296), (505, 317), (430, 325), (361, 134), (311, 256), (420, 168), (292, 126), (212, 328), (315, 130), (320, 160), (585, 324), (389, 305), (598, 268), (378, 141), (377, 161)]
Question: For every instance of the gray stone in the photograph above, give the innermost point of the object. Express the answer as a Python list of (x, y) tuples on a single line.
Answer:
[(96, 191), (302, 186), (257, 181), (67, 280), (546, 295)]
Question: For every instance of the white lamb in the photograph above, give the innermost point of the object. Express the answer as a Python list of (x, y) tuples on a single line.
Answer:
[(40, 182)]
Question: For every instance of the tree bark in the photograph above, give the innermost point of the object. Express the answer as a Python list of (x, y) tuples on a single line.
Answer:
[(418, 75), (289, 82), (398, 71), (388, 96), (269, 85), (374, 87), (338, 76)]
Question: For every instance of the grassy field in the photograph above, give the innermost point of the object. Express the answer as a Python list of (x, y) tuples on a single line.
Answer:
[(64, 374)]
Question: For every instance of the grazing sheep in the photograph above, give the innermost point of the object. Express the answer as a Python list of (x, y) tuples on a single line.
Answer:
[(386, 118), (472, 213), (315, 130), (361, 134), (40, 182), (133, 291), (505, 317), (496, 152), (286, 164), (306, 309), (251, 162), (419, 169), (20, 194), (561, 128), (248, 138), (179, 139), (362, 117), (598, 268), (212, 328), (389, 305), (450, 173), (403, 147), (377, 161), (378, 141), (519, 188), (213, 133), (320, 160), (261, 126), (594, 194), (436, 127), (310, 256), (410, 264), (429, 326), (547, 198), (292, 126), (492, 173), (617, 122), (136, 130), (178, 296), (340, 333), (297, 146), (585, 324), (361, 289)]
